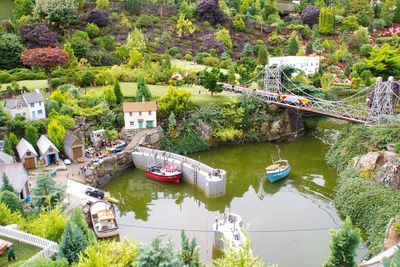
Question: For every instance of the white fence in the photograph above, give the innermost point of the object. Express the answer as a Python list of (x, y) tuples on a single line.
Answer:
[(49, 248)]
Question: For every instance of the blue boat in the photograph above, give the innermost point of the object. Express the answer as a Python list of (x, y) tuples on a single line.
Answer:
[(278, 170)]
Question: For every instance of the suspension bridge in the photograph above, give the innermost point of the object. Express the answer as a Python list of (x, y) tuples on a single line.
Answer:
[(374, 104)]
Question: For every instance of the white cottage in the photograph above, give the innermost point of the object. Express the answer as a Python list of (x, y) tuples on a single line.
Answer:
[(27, 154), (97, 137), (5, 158), (138, 115), (48, 151), (73, 147), (18, 176), (30, 105), (308, 64)]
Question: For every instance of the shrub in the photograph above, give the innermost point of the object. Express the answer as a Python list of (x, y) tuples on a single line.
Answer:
[(173, 51), (185, 144), (326, 21), (133, 6), (397, 148), (223, 35), (7, 217), (211, 61), (12, 201), (358, 39), (107, 42), (102, 4), (98, 17), (10, 51), (92, 30), (37, 35), (365, 50), (5, 77), (188, 57), (209, 10), (200, 57), (87, 78), (104, 78), (310, 15), (56, 82), (238, 23), (144, 21), (57, 11), (378, 24), (349, 23)]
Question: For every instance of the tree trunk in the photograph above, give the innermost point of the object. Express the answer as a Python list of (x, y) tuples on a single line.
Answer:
[(49, 80), (161, 9)]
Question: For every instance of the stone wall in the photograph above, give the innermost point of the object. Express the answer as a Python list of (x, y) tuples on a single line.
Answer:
[(168, 10)]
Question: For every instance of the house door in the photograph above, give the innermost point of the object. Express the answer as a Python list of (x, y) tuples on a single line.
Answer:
[(33, 114), (149, 124), (77, 152), (29, 163), (140, 124)]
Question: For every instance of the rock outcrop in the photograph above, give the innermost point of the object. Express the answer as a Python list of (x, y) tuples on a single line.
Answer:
[(392, 236), (383, 165)]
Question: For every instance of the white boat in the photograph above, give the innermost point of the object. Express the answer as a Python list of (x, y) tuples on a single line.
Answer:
[(103, 219), (228, 228)]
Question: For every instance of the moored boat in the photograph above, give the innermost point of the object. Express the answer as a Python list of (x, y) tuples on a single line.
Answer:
[(103, 219), (278, 170), (167, 173)]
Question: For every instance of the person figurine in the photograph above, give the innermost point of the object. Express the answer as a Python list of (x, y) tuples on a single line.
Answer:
[(10, 253), (28, 199), (216, 222), (236, 234)]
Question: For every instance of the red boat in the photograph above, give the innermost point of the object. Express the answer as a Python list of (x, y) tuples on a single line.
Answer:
[(168, 173)]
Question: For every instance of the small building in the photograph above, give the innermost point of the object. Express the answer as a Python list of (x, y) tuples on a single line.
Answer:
[(73, 147), (29, 105), (98, 137), (18, 176), (27, 154), (48, 151), (308, 64), (138, 115), (6, 159)]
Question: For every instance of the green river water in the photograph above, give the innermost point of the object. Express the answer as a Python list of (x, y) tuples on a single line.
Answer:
[(288, 220)]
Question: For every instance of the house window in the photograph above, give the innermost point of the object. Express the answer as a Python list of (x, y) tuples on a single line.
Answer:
[(32, 105), (28, 153), (131, 123), (50, 149), (140, 113), (18, 106), (149, 112), (130, 114), (40, 112)]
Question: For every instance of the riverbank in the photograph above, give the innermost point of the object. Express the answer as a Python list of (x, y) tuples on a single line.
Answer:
[(368, 203)]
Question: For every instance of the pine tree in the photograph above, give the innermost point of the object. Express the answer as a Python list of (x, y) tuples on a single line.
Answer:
[(142, 90), (6, 185), (343, 246), (326, 21), (247, 50), (73, 241), (7, 147), (189, 251), (262, 57), (46, 193), (309, 48), (79, 220), (12, 201), (118, 93), (293, 46), (231, 75), (31, 134)]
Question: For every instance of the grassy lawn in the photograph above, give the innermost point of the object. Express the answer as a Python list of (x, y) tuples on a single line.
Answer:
[(6, 8), (191, 65), (22, 251), (30, 84)]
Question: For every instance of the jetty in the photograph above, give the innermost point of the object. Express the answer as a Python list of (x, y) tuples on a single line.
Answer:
[(228, 229), (211, 181)]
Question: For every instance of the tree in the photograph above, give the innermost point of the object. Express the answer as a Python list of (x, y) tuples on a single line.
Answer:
[(73, 61), (309, 48), (6, 185), (23, 8), (56, 133), (133, 6), (37, 35), (46, 193), (142, 90), (57, 11), (7, 147), (262, 56), (92, 30), (223, 35), (73, 241), (231, 75), (79, 220), (10, 50), (209, 10), (362, 9), (310, 15), (210, 80), (189, 251), (359, 38), (326, 81), (80, 43), (158, 253), (293, 46), (343, 246), (184, 27), (118, 93), (136, 40), (102, 4), (326, 21), (45, 58), (176, 101), (12, 201), (135, 58), (384, 61), (13, 139), (238, 23), (109, 96), (247, 50)]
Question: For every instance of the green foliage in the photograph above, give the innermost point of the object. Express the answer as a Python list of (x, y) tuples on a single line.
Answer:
[(7, 147), (210, 80), (223, 35), (73, 241), (359, 38), (361, 9), (384, 61), (184, 27), (293, 46), (92, 30), (360, 199), (13, 139), (176, 101), (228, 134), (7, 217), (108, 253), (10, 49), (189, 251), (136, 40), (343, 246), (80, 43), (158, 253), (109, 96), (12, 201), (262, 56), (56, 133), (238, 23), (349, 23), (46, 193), (57, 11), (397, 148), (142, 90), (326, 21), (43, 263), (135, 58), (119, 97), (6, 185), (102, 4), (186, 144), (133, 6), (393, 261), (23, 8)]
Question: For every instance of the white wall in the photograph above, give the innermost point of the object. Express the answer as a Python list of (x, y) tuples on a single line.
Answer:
[(309, 65), (132, 119), (18, 111), (34, 111)]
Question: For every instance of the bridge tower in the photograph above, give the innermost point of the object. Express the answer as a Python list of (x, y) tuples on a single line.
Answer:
[(272, 79), (382, 101)]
